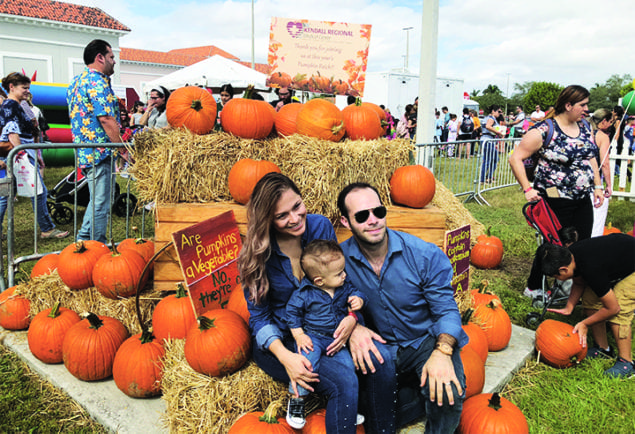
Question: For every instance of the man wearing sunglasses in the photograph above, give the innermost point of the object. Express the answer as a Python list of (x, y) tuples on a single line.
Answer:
[(409, 349)]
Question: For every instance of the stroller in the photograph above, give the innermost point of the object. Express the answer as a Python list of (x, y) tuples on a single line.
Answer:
[(543, 220), (69, 189)]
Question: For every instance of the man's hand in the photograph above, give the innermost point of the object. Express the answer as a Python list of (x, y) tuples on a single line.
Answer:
[(582, 330), (361, 345), (564, 311), (438, 371)]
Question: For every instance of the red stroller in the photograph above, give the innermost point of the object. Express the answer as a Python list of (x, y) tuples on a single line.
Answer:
[(541, 217)]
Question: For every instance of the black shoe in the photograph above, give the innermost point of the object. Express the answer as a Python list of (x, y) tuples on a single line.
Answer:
[(295, 413)]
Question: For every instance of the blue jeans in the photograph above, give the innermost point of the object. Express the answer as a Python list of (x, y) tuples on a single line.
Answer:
[(490, 160), (337, 383), (44, 220), (101, 197)]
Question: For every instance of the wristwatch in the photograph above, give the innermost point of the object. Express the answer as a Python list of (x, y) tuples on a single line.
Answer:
[(444, 348)]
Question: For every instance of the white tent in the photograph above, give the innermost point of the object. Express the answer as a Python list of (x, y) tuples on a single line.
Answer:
[(212, 72)]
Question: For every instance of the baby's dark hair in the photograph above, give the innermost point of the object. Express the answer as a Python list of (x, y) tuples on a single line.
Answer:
[(317, 255)]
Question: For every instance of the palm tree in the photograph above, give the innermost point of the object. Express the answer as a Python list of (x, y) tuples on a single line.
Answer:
[(492, 89), (474, 93)]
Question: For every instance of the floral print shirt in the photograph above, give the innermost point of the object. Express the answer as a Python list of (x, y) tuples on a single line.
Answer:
[(88, 97), (565, 162)]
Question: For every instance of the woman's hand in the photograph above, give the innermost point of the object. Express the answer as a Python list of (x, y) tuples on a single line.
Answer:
[(341, 335), (532, 195), (598, 197), (299, 370)]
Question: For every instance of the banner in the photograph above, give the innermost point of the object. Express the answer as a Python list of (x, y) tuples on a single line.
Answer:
[(457, 247), (318, 56)]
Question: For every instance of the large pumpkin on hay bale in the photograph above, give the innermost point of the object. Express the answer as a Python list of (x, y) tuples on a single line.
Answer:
[(258, 422), (193, 108), (116, 275), (77, 261), (14, 310), (219, 344), (558, 345), (46, 265), (491, 413), (47, 331), (173, 316), (285, 119), (380, 113), (90, 346), (321, 119), (361, 122), (137, 368), (412, 186), (247, 118), (238, 304), (141, 245), (245, 174), (495, 322)]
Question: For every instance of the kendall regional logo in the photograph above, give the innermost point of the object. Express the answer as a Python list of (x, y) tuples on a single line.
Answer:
[(295, 29), (298, 29)]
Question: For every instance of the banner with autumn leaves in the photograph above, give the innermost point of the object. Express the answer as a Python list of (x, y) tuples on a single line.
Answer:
[(318, 56)]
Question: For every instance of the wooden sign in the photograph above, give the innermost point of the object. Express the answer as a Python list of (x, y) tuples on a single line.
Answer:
[(457, 246), (208, 255)]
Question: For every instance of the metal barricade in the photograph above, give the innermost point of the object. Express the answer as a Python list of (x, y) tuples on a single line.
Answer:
[(123, 201)]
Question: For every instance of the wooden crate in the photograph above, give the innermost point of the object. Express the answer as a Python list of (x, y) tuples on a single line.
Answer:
[(428, 224)]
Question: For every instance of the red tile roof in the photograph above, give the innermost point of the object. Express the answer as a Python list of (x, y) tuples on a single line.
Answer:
[(60, 11), (204, 52)]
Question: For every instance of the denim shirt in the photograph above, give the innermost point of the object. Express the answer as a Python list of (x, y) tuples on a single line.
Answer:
[(316, 311), (267, 319), (412, 298)]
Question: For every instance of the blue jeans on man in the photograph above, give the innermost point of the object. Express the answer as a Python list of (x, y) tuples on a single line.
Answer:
[(94, 227)]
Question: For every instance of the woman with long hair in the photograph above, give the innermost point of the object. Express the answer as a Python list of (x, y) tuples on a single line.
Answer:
[(601, 120), (226, 93), (278, 228), (155, 115)]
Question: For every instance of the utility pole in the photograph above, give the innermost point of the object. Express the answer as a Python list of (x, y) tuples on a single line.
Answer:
[(407, 29)]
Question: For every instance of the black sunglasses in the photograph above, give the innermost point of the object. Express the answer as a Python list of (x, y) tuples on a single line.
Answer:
[(362, 216)]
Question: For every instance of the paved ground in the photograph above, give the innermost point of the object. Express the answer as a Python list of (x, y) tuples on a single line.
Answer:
[(121, 414)]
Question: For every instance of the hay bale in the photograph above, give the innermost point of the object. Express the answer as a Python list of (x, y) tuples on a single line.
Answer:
[(457, 214)]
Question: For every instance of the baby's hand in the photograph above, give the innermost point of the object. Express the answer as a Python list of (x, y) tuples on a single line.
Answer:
[(355, 303), (304, 343)]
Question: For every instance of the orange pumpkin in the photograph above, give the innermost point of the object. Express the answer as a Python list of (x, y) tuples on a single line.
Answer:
[(477, 337), (480, 295), (321, 119), (245, 174), (495, 322), (320, 84), (474, 369), (488, 252), (611, 230), (286, 118), (412, 186), (14, 310), (46, 265), (380, 113), (259, 422), (316, 423), (117, 275), (173, 316), (491, 413), (339, 87), (361, 123), (47, 331), (142, 246), (193, 108), (558, 345), (238, 304), (77, 261), (279, 79), (138, 366), (247, 118)]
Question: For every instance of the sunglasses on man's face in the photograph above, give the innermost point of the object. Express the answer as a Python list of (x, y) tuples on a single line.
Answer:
[(362, 216)]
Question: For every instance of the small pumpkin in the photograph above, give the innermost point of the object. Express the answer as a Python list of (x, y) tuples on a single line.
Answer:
[(245, 174), (320, 84), (495, 322), (77, 261), (412, 186), (321, 119), (491, 413), (258, 422), (47, 331), (238, 304), (477, 337), (117, 275), (191, 107), (316, 423), (247, 118), (340, 87), (219, 344), (141, 245), (173, 316), (89, 347), (361, 123), (488, 251), (14, 310), (558, 345), (474, 369), (46, 265), (285, 119), (480, 294), (279, 79), (610, 229), (138, 366)]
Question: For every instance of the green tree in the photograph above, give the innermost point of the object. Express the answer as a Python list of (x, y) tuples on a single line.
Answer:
[(485, 101), (492, 89), (607, 95), (474, 93), (542, 93), (518, 97)]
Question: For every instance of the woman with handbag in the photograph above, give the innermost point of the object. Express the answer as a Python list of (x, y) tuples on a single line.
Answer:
[(15, 130)]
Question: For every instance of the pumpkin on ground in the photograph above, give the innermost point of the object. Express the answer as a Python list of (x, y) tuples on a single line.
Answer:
[(361, 122), (412, 186), (77, 261), (558, 345), (46, 265), (480, 294), (138, 366), (245, 174), (491, 413), (173, 316), (474, 369), (316, 423), (238, 304), (610, 229), (191, 107), (116, 275), (488, 252), (495, 322), (285, 119), (258, 422), (90, 346), (47, 331), (247, 118), (321, 119), (477, 337), (14, 310), (219, 344)]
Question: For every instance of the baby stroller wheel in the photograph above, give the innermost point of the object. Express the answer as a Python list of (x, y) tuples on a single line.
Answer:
[(62, 215), (51, 207), (539, 302), (533, 319), (124, 202)]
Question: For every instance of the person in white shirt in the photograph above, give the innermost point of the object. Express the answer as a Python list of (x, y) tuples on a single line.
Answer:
[(537, 115)]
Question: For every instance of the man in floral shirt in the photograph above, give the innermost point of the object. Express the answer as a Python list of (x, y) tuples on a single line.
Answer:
[(94, 115)]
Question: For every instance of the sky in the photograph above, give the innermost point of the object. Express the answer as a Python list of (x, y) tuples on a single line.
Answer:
[(480, 41)]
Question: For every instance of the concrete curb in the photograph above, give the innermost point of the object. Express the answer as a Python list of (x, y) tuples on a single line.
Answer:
[(122, 414)]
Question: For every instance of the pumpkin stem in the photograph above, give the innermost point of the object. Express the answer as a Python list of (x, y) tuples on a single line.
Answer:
[(269, 415), (95, 322), (205, 323), (55, 312), (114, 250), (196, 105), (180, 291), (248, 91), (495, 402), (467, 316), (337, 128), (489, 231), (494, 304), (146, 337), (80, 247), (482, 287)]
